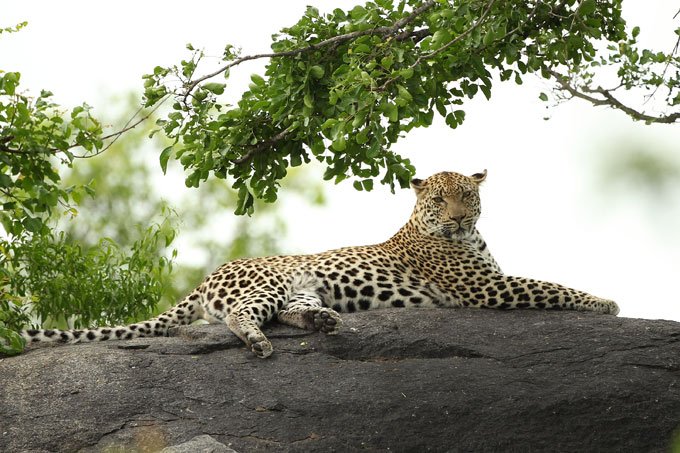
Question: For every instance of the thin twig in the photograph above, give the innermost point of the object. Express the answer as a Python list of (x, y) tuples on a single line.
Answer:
[(127, 127), (665, 69), (115, 135)]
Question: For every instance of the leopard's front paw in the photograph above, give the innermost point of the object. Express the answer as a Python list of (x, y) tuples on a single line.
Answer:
[(327, 320), (261, 347)]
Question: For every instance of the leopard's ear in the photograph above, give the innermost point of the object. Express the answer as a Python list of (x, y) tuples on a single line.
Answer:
[(418, 185), (478, 178)]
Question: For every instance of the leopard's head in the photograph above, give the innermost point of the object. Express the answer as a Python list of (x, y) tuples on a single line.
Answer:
[(448, 204)]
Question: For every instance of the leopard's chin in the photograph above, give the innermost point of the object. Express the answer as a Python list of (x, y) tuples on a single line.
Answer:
[(455, 234)]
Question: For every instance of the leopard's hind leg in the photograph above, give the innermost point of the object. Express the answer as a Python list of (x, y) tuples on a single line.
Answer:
[(305, 310)]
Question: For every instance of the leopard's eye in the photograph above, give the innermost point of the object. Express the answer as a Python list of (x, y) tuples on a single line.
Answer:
[(466, 193), (438, 200)]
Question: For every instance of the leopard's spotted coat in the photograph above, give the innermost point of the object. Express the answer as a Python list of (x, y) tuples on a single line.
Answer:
[(438, 259)]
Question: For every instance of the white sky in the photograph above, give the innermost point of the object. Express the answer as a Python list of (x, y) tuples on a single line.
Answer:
[(545, 213)]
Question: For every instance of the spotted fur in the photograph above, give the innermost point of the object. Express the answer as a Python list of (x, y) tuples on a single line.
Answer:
[(438, 259)]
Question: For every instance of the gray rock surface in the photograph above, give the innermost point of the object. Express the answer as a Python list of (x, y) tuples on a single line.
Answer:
[(200, 444), (392, 380)]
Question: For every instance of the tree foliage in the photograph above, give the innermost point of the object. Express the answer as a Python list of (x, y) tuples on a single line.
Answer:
[(44, 278), (125, 171), (343, 87), (102, 257)]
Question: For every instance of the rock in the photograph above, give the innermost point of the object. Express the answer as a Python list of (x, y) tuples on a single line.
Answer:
[(391, 380), (200, 444)]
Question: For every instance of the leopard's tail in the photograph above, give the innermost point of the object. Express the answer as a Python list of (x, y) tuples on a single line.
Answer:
[(186, 312)]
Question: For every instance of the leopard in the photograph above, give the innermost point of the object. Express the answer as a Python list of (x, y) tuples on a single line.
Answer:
[(438, 259)]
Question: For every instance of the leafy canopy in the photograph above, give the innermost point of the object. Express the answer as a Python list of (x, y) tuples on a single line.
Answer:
[(343, 87)]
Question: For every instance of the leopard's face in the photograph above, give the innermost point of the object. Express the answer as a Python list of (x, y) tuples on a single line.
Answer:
[(448, 204)]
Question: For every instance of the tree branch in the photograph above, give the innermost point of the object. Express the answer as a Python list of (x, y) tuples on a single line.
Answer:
[(608, 99), (416, 35), (3, 145), (335, 40), (260, 146)]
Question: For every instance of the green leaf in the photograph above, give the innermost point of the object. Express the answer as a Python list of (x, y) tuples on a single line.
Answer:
[(214, 87), (9, 82), (361, 137), (373, 150), (245, 201), (76, 111), (406, 73), (295, 160), (441, 37), (361, 48), (387, 61), (165, 155), (340, 143), (5, 181), (317, 71), (451, 120), (308, 100), (257, 80), (11, 343), (317, 146), (543, 97), (460, 116), (392, 113), (587, 7), (403, 93), (329, 123), (486, 90), (358, 12), (32, 224)]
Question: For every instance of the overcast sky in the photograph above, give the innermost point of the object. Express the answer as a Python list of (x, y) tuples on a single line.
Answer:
[(548, 213)]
